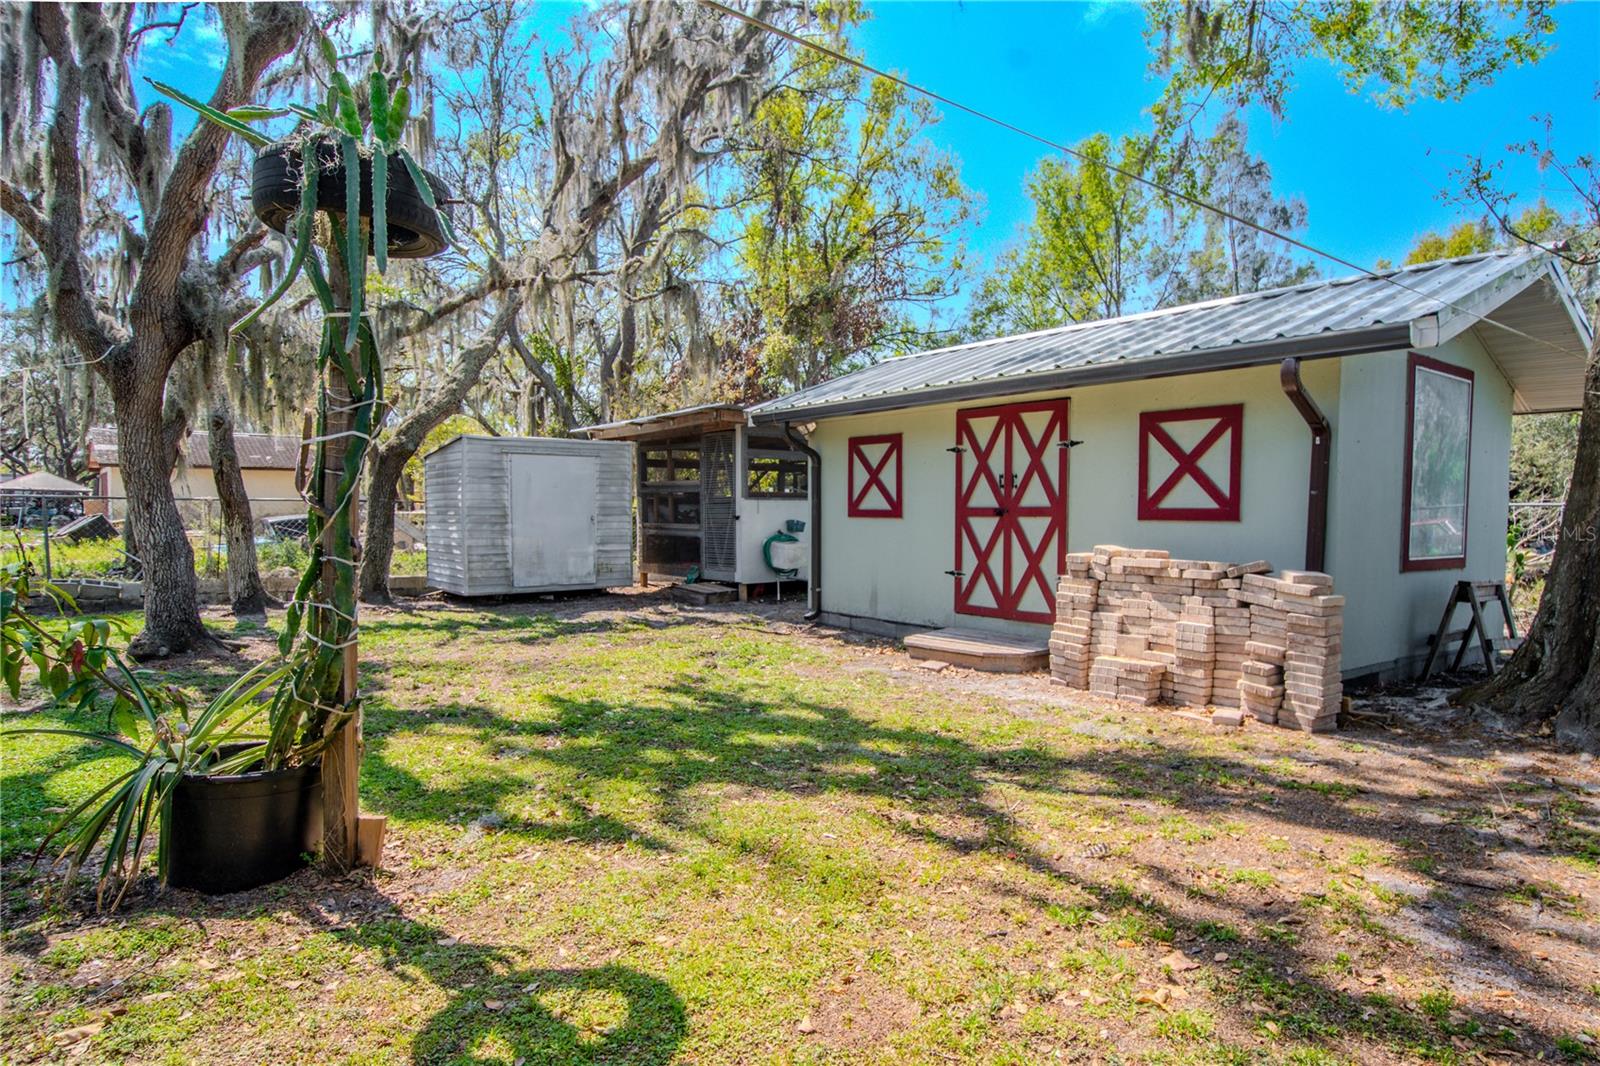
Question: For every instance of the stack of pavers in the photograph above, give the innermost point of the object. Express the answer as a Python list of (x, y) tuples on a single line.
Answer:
[(1138, 625), (1313, 688), (1194, 655), (1070, 640), (1127, 678), (1294, 614), (1232, 625), (1261, 687)]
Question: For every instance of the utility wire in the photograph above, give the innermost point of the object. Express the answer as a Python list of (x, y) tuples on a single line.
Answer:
[(1178, 194)]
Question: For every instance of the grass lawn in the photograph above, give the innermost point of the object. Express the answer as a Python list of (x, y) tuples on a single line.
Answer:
[(625, 832)]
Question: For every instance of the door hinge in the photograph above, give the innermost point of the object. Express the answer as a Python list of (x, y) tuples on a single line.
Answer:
[(958, 448), (956, 573), (1069, 444)]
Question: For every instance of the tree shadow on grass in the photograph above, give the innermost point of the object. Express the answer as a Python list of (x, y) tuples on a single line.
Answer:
[(600, 1015), (700, 728), (946, 791)]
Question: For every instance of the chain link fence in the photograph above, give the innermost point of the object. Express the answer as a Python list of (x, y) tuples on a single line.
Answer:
[(62, 532)]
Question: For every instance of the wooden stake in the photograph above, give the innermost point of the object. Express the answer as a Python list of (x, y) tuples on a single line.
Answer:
[(341, 759)]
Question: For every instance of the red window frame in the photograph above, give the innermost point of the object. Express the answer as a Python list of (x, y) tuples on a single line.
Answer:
[(1415, 362), (1228, 504), (856, 500)]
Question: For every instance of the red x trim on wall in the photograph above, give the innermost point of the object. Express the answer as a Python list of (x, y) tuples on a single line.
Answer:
[(1226, 431), (874, 467)]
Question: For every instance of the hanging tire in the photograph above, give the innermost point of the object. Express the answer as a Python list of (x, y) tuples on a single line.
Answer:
[(415, 231)]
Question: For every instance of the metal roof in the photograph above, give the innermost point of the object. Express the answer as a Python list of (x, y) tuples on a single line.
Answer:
[(257, 451), (1415, 306), (706, 417), (42, 482)]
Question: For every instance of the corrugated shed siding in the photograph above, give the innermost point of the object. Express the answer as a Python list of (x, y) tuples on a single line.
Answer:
[(446, 522), (476, 511), (485, 496), (614, 518)]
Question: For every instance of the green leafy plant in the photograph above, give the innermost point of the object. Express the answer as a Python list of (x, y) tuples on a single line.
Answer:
[(311, 706), (285, 711), (150, 722)]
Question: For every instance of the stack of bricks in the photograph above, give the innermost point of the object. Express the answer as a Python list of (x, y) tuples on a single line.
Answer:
[(1070, 640), (1261, 687), (1297, 629), (1138, 625), (1125, 678), (1193, 668), (1313, 690)]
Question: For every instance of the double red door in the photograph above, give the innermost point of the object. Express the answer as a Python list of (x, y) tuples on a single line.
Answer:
[(1011, 509)]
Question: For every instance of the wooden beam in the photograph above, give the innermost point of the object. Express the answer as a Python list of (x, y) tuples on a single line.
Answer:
[(341, 759)]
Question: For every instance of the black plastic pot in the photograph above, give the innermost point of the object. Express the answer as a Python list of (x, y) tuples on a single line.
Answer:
[(240, 831), (414, 228)]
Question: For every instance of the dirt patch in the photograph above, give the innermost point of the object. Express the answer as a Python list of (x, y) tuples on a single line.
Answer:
[(857, 1010)]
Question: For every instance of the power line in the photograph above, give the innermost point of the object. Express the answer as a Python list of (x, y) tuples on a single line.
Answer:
[(1082, 157)]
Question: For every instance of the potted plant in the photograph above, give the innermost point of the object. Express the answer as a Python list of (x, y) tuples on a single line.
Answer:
[(234, 788), (171, 744)]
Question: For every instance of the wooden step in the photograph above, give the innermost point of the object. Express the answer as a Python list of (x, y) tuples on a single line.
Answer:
[(703, 592), (981, 651)]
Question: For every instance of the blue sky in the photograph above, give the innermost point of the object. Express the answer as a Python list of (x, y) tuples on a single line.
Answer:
[(1372, 178)]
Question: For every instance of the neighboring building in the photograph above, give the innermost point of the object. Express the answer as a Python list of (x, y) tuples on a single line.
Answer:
[(946, 496), (712, 492), (267, 463)]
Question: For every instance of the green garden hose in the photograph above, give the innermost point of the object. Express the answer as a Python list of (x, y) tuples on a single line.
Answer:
[(766, 554)]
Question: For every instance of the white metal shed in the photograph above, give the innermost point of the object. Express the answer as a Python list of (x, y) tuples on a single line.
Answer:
[(528, 514)]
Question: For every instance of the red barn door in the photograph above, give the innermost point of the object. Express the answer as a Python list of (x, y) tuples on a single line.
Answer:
[(1011, 509)]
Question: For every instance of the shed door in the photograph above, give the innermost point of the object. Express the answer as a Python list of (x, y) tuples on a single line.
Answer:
[(718, 535), (1011, 509), (552, 519)]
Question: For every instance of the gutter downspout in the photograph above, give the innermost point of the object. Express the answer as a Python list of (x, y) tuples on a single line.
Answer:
[(814, 492), (1321, 462)]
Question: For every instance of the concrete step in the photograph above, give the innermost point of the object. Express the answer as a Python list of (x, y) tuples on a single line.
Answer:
[(981, 651)]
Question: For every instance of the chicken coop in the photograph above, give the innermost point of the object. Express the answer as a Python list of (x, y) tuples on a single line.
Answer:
[(717, 499)]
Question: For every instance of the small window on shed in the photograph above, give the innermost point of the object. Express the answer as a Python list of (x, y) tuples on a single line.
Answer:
[(1438, 453), (775, 474)]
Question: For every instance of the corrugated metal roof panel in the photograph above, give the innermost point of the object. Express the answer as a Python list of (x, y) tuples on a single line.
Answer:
[(1153, 339)]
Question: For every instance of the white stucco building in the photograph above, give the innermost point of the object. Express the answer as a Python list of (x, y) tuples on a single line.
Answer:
[(953, 482)]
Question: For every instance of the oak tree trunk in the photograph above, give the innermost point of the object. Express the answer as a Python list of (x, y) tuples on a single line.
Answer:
[(377, 548), (402, 443), (1554, 677), (245, 591), (146, 450)]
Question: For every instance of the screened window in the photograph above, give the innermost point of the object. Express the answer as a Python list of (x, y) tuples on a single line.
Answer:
[(664, 465), (777, 474), (669, 486), (1438, 449)]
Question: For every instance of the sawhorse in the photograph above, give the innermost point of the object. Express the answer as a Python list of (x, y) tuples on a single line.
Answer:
[(1474, 594)]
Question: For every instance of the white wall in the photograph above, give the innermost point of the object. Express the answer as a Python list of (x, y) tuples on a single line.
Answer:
[(760, 518), (1399, 610), (894, 569)]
